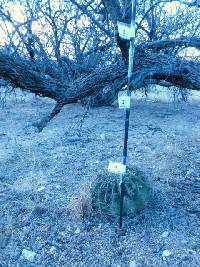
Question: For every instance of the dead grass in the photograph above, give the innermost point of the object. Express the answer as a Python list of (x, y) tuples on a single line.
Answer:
[(81, 203), (40, 174)]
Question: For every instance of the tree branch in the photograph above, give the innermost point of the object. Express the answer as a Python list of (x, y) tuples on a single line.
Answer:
[(43, 123), (178, 72), (172, 43), (85, 11), (156, 66), (190, 4), (20, 73)]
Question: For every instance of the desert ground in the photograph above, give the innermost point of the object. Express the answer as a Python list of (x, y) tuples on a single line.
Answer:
[(45, 177)]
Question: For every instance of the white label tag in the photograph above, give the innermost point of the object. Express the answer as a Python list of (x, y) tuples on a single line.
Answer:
[(125, 31), (124, 99), (116, 167)]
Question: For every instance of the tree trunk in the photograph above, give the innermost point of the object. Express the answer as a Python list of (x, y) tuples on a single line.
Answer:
[(22, 74), (102, 85), (149, 68)]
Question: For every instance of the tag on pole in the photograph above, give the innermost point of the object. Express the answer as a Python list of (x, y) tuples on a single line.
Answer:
[(116, 167), (198, 3), (125, 30), (124, 100)]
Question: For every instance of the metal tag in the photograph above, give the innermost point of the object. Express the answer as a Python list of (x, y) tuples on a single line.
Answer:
[(198, 3), (116, 167), (125, 31), (124, 100)]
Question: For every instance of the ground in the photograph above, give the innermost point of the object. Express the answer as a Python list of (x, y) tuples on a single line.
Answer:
[(44, 181)]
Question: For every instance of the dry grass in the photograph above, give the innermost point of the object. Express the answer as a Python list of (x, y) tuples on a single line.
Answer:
[(81, 203), (173, 150)]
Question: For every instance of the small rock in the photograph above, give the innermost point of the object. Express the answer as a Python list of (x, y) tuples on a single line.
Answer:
[(52, 249), (132, 263), (191, 251), (105, 137), (28, 254), (77, 231), (165, 234), (64, 234), (166, 253), (41, 188)]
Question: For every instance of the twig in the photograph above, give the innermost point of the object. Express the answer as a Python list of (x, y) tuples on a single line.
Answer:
[(43, 123)]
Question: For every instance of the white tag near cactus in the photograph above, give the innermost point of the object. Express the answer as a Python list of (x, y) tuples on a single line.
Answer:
[(124, 100), (116, 167), (125, 31)]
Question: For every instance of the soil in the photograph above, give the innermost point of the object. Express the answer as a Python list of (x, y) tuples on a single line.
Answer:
[(45, 177)]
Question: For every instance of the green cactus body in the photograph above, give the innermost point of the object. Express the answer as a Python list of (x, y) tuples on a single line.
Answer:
[(105, 192)]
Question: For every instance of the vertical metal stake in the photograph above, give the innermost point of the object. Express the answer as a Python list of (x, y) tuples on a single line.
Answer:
[(127, 115)]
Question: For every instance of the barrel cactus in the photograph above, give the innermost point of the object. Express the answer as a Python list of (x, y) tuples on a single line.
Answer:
[(105, 192)]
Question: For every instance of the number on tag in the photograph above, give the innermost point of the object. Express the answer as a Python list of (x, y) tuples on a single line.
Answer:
[(124, 99)]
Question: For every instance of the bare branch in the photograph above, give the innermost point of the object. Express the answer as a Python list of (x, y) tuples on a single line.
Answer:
[(189, 4), (172, 43), (43, 123), (91, 17)]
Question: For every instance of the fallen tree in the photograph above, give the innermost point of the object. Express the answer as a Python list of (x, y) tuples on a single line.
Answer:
[(157, 61), (149, 68), (101, 83)]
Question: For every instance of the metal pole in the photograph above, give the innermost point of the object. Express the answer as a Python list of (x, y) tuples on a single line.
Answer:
[(127, 112)]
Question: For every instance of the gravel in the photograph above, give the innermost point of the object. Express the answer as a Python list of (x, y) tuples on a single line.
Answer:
[(44, 176)]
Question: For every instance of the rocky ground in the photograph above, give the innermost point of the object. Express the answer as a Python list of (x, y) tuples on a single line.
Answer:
[(44, 181)]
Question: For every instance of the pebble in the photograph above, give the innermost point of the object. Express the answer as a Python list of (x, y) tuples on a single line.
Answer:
[(133, 263), (52, 249), (28, 254), (77, 231), (104, 137), (41, 188), (166, 253), (191, 251), (165, 234)]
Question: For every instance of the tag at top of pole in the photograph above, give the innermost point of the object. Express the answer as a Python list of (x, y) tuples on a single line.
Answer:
[(125, 30), (198, 3)]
